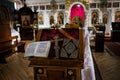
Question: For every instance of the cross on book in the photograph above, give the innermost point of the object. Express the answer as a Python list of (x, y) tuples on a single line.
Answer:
[(56, 47)]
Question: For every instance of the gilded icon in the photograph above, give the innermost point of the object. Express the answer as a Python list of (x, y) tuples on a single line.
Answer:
[(94, 17), (105, 18), (25, 20), (40, 19)]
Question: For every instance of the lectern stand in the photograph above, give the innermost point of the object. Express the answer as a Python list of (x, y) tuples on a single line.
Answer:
[(53, 68), (99, 41)]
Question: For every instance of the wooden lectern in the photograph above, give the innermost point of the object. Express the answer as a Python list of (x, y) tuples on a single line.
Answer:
[(56, 67)]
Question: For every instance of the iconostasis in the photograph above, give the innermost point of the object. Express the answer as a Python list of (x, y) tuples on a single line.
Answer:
[(77, 11)]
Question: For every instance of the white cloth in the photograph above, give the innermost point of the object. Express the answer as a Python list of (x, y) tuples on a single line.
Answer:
[(88, 72), (15, 33)]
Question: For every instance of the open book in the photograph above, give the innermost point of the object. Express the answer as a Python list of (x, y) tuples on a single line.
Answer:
[(38, 49)]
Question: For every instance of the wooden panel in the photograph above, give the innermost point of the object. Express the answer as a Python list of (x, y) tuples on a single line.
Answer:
[(5, 31), (56, 73), (5, 34)]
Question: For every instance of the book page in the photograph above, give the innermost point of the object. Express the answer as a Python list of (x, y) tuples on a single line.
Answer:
[(42, 49), (30, 49), (38, 49)]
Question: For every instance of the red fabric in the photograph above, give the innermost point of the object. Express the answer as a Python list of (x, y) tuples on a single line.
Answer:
[(77, 10), (48, 34)]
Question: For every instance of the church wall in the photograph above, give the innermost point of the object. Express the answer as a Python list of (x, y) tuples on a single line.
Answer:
[(110, 11), (10, 6), (47, 14), (46, 18)]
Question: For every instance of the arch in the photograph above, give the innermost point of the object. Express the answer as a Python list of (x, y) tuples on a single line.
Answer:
[(77, 9)]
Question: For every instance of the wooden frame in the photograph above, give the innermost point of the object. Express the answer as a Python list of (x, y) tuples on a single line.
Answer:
[(25, 20), (25, 12), (93, 5), (116, 4)]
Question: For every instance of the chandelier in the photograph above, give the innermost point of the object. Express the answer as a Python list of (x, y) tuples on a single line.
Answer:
[(103, 5), (53, 6)]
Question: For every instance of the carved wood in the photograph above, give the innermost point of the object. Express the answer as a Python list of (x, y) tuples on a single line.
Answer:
[(26, 12)]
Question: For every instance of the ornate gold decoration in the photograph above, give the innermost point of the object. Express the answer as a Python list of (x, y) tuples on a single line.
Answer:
[(103, 5), (53, 5), (69, 2), (117, 16), (94, 17), (40, 71), (70, 72), (105, 17)]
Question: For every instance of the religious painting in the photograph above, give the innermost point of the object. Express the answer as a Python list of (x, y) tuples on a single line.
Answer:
[(48, 7), (116, 4), (25, 20), (62, 6), (60, 18), (103, 4), (94, 18), (42, 7), (35, 8), (35, 16), (117, 16), (105, 18), (109, 5), (40, 19), (92, 5), (51, 20)]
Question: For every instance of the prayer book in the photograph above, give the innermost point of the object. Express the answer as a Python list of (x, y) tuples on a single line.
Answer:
[(69, 48), (38, 49)]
